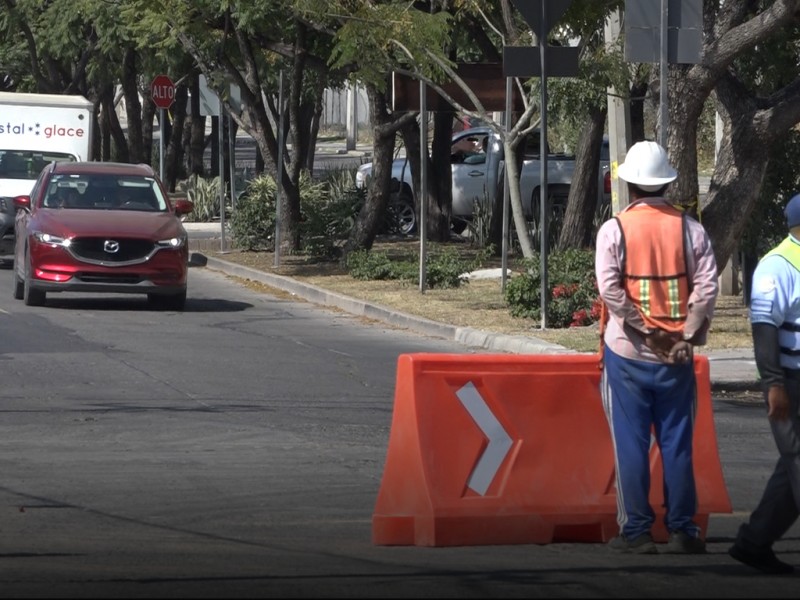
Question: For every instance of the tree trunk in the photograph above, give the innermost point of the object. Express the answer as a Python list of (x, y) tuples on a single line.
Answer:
[(198, 130), (173, 159), (134, 151), (385, 127), (440, 180), (578, 224)]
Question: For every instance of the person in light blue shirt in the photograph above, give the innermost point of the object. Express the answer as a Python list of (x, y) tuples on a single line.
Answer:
[(775, 324)]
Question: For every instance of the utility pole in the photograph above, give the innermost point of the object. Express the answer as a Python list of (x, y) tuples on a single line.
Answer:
[(619, 123)]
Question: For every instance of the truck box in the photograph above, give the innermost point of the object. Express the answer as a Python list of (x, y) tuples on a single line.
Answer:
[(35, 130)]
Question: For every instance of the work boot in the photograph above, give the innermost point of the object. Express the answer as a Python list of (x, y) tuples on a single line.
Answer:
[(643, 544)]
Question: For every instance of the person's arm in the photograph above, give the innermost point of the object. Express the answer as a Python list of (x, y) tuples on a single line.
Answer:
[(705, 287), (770, 300), (768, 361)]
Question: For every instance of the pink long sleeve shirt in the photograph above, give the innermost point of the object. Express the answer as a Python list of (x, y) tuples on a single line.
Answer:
[(626, 329)]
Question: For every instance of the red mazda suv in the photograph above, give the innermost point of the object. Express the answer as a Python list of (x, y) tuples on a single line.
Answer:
[(100, 227)]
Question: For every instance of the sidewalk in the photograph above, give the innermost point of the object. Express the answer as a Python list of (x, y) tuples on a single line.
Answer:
[(731, 370)]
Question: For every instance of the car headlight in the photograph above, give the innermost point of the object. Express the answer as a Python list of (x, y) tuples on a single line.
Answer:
[(51, 240), (174, 242)]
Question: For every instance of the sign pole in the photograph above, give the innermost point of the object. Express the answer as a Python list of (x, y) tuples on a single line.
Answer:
[(162, 130), (423, 184), (663, 76), (279, 175), (506, 190), (543, 208), (221, 153)]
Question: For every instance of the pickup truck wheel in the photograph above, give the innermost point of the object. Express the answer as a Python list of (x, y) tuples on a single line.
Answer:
[(458, 225), (402, 216)]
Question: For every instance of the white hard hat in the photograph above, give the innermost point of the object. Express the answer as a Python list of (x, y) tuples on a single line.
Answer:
[(647, 167)]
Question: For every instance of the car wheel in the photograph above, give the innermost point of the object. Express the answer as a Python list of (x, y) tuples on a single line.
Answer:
[(19, 286), (168, 302), (458, 226), (30, 295), (402, 215)]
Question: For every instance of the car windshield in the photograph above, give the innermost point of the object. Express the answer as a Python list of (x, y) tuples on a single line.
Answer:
[(24, 164), (104, 192)]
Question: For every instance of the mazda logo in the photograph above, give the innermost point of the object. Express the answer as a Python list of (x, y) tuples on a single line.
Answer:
[(111, 246)]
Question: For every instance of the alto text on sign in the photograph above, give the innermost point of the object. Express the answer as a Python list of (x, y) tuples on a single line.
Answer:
[(162, 91)]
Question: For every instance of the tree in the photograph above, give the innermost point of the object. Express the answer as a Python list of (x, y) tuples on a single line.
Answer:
[(741, 39)]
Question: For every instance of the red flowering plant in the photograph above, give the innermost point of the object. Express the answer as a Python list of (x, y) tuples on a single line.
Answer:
[(573, 299)]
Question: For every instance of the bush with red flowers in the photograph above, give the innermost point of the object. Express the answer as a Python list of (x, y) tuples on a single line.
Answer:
[(573, 300)]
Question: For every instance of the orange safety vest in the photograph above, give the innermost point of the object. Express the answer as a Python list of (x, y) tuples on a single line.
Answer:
[(655, 273), (654, 270)]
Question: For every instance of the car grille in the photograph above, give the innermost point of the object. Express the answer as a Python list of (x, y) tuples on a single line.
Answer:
[(111, 250), (111, 278)]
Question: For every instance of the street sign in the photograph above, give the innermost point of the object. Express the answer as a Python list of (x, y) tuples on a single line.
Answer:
[(162, 91), (525, 61), (684, 30), (532, 12)]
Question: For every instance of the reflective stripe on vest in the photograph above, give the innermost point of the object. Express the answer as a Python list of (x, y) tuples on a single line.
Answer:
[(655, 273), (790, 251)]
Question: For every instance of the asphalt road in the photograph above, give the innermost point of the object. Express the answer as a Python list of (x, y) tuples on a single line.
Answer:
[(236, 450)]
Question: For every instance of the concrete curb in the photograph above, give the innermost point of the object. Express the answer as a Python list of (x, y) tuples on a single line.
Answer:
[(464, 335)]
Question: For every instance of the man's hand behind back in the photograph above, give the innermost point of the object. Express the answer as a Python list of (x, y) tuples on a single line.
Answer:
[(660, 342)]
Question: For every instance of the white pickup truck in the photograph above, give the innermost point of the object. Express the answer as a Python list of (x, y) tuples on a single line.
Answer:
[(477, 159)]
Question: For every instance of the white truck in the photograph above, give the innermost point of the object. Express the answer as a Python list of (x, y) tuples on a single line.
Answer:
[(35, 130), (476, 163)]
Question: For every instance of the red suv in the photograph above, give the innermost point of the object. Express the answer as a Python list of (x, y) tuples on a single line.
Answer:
[(100, 227)]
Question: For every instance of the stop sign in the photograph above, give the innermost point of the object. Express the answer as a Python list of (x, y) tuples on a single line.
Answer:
[(163, 91)]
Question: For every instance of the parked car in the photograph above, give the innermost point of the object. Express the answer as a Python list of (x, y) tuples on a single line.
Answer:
[(100, 227)]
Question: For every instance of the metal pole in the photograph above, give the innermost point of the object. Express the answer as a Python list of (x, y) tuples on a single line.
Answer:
[(423, 183), (506, 192), (663, 76), (221, 141), (543, 228), (162, 133), (279, 171), (232, 159)]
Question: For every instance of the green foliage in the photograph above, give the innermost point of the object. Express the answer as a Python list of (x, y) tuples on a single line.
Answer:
[(253, 222), (481, 221), (380, 36), (365, 265), (204, 193), (328, 207), (573, 298), (445, 267)]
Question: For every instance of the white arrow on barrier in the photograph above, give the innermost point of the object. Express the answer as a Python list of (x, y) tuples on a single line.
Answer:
[(499, 440)]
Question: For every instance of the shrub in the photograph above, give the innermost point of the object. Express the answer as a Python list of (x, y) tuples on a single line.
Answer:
[(204, 193), (253, 222), (573, 298), (328, 208), (365, 265), (444, 268)]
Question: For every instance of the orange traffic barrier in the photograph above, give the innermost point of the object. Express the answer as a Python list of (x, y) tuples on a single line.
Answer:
[(515, 449)]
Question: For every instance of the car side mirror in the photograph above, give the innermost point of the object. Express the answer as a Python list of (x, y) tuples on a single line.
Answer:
[(183, 206), (23, 202)]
